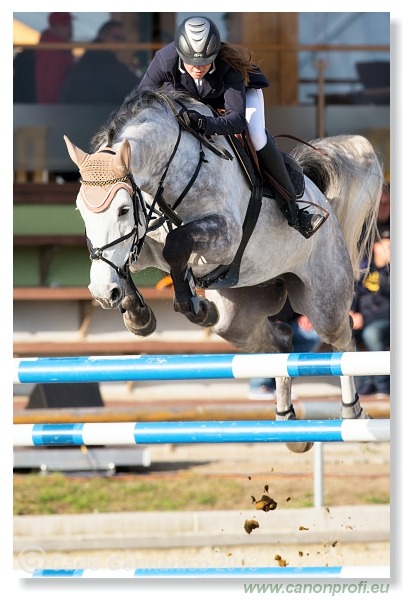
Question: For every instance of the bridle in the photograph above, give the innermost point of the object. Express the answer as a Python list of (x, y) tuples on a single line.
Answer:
[(137, 242)]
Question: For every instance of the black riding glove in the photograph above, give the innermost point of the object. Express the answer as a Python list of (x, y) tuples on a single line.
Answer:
[(194, 120)]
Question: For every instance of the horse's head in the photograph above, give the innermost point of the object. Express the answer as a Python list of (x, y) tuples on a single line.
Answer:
[(115, 221)]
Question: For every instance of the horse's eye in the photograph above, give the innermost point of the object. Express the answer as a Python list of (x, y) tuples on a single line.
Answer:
[(123, 211)]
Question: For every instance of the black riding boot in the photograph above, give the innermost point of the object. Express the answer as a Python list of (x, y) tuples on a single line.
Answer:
[(271, 161)]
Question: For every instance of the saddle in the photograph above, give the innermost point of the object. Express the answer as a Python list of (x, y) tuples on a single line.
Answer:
[(246, 155)]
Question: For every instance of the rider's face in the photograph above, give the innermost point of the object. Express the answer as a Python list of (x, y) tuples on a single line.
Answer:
[(197, 72)]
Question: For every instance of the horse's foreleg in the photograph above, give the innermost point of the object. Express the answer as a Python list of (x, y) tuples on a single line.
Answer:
[(285, 411), (179, 245), (197, 309), (137, 316)]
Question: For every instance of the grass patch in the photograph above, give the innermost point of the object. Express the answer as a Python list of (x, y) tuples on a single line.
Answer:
[(372, 499), (56, 494)]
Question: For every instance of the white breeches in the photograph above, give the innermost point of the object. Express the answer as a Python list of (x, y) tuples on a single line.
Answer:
[(255, 117)]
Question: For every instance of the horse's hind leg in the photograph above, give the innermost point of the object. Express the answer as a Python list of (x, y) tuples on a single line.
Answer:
[(244, 323), (350, 401), (285, 412), (334, 326), (137, 316)]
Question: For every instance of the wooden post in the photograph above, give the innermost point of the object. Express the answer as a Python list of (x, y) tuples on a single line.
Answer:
[(281, 68), (320, 106)]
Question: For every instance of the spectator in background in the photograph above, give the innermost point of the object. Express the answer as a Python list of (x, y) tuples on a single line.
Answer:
[(99, 76), (24, 85), (304, 339), (370, 312), (53, 66)]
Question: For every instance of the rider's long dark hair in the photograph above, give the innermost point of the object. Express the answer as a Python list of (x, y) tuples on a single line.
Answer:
[(239, 58)]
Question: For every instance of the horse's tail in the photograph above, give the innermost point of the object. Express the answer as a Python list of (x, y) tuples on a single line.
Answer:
[(348, 172)]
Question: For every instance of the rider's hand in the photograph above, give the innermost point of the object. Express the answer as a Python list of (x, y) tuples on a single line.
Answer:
[(194, 120)]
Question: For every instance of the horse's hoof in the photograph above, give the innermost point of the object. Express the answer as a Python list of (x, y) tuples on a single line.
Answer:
[(361, 415), (296, 447), (299, 447), (212, 316), (199, 311), (133, 326)]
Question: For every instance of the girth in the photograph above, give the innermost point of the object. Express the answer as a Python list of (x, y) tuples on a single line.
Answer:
[(226, 276)]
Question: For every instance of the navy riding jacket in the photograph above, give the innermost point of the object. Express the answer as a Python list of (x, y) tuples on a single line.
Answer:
[(222, 87)]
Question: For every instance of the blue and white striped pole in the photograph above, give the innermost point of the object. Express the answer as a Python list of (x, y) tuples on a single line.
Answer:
[(199, 432), (359, 573), (198, 366)]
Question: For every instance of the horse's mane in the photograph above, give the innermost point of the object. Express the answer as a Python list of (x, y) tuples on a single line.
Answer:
[(133, 104)]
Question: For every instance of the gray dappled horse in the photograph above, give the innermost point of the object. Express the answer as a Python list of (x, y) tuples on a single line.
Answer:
[(153, 195)]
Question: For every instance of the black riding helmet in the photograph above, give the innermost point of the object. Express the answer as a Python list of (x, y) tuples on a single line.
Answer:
[(197, 41)]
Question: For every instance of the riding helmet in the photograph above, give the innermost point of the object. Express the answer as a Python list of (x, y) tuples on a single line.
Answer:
[(197, 41)]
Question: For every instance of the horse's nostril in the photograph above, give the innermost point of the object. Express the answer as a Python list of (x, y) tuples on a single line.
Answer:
[(115, 295)]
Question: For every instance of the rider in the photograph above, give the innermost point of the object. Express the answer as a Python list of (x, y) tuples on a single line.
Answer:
[(224, 76)]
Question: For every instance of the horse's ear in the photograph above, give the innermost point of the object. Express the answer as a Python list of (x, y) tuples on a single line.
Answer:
[(123, 155), (77, 156)]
